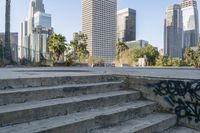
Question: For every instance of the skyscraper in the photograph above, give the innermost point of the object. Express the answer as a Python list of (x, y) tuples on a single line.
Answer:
[(99, 23), (126, 25), (34, 6), (35, 31), (173, 31), (190, 23)]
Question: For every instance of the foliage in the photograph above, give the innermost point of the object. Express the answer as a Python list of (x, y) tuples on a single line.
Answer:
[(127, 57), (164, 60), (190, 57), (56, 45), (69, 59), (151, 53), (197, 57), (79, 47), (120, 48), (95, 61), (132, 55)]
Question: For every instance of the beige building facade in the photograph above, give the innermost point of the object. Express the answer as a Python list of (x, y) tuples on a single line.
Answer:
[(99, 23)]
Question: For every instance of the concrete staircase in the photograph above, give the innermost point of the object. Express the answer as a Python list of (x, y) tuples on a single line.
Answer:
[(90, 104)]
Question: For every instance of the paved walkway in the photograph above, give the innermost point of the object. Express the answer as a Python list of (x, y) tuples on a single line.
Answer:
[(13, 73)]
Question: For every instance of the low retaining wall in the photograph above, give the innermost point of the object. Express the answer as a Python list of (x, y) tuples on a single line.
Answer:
[(178, 96)]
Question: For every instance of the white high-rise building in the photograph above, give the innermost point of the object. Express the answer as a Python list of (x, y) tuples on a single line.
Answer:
[(99, 23), (42, 20), (35, 31), (190, 23), (34, 6), (24, 41)]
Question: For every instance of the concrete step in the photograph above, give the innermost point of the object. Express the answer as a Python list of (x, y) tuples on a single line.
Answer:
[(7, 84), (83, 122), (52, 92), (179, 129), (152, 123), (29, 111)]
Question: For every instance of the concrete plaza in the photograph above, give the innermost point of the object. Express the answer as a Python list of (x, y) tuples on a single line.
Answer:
[(180, 73)]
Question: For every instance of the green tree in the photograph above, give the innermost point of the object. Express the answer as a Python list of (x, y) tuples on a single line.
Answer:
[(162, 60), (57, 46), (131, 56), (151, 53), (190, 57), (95, 61), (120, 48), (79, 47), (69, 59), (176, 62), (197, 56)]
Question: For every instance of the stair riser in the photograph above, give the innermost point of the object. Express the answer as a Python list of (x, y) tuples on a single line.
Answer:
[(61, 92), (105, 121), (159, 127), (21, 116), (101, 121), (53, 81)]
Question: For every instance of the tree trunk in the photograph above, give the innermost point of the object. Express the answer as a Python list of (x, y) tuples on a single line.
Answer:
[(7, 47)]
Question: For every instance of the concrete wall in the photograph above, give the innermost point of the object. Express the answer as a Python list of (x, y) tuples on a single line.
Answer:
[(173, 95)]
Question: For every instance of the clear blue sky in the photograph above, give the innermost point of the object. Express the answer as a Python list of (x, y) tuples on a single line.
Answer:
[(66, 16)]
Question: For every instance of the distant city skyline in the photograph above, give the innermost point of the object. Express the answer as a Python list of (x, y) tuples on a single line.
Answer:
[(35, 30), (66, 17), (181, 28)]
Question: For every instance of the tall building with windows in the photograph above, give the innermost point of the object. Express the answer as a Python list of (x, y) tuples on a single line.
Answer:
[(190, 23), (126, 25), (34, 6), (173, 31), (35, 31), (99, 23)]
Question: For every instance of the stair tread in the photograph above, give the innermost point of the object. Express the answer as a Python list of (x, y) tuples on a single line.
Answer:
[(37, 104), (29, 89), (179, 129), (42, 125), (137, 124)]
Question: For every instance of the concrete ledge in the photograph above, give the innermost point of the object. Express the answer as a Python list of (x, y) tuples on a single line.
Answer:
[(52, 81)]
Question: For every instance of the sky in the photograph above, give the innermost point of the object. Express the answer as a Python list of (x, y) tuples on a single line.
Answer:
[(67, 19)]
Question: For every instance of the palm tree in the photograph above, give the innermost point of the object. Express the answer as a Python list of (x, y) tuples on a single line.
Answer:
[(57, 46), (7, 49), (121, 47)]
